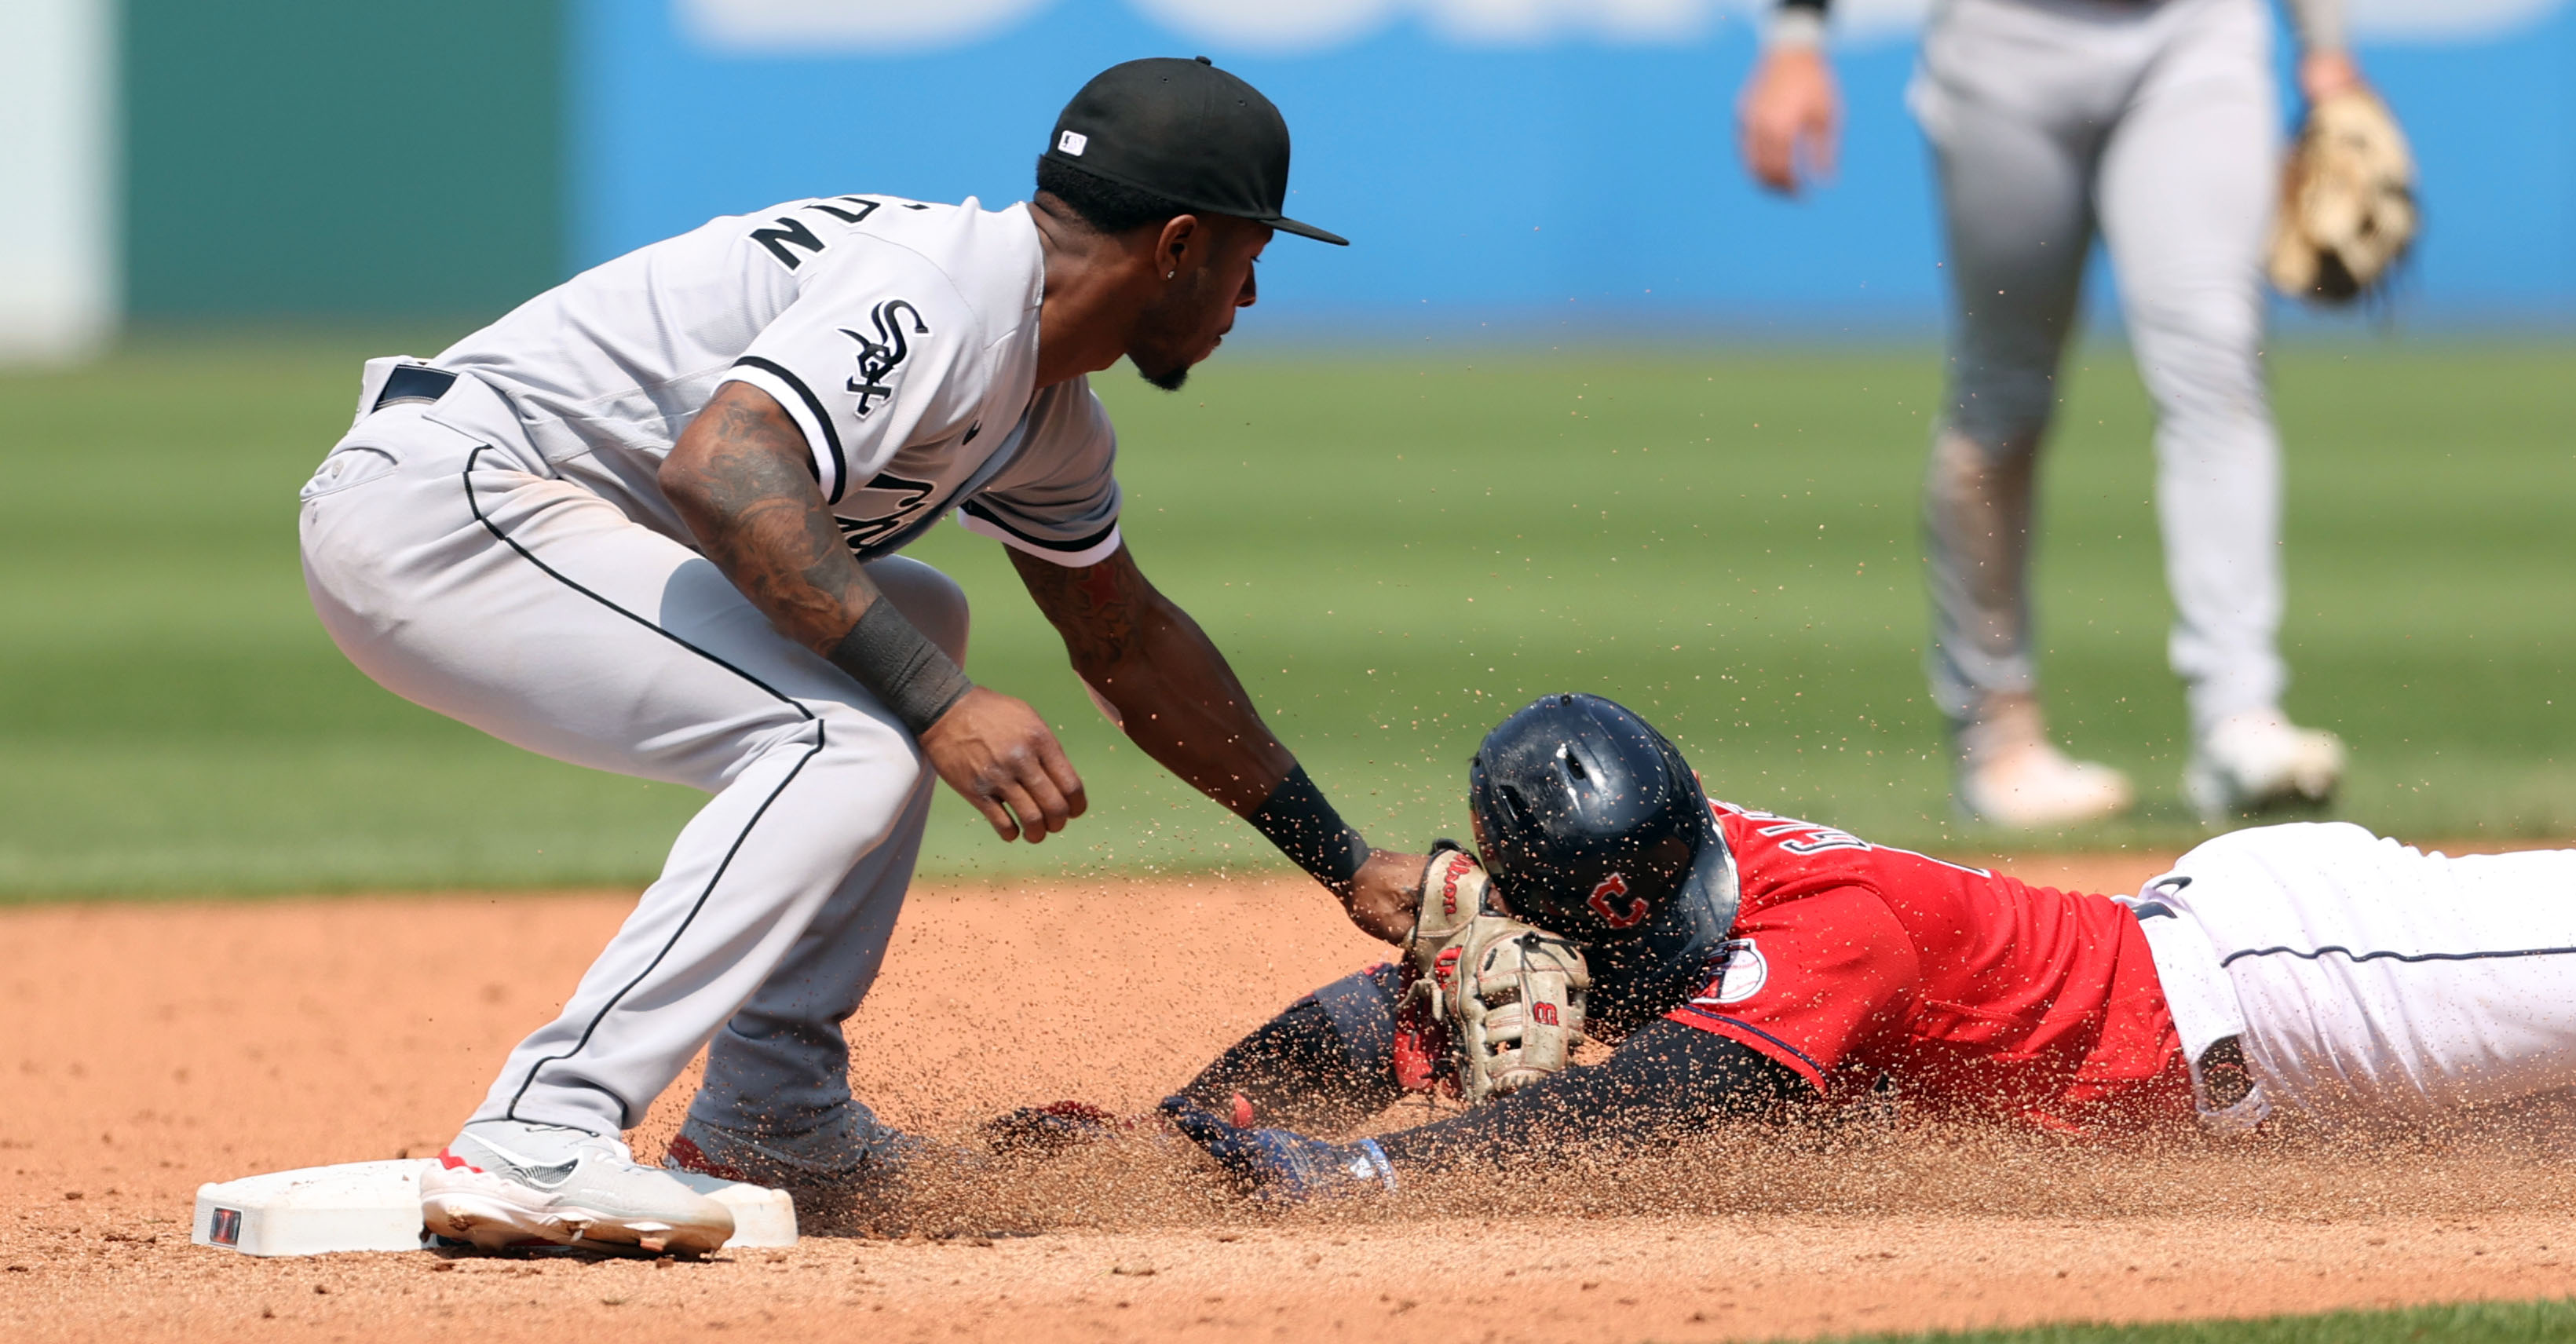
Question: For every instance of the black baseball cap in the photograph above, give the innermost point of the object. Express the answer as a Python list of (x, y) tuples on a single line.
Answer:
[(1185, 131)]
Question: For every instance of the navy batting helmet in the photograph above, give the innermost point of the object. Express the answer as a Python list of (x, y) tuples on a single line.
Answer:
[(1594, 827)]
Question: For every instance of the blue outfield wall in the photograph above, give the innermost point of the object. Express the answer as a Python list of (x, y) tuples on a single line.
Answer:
[(1573, 182)]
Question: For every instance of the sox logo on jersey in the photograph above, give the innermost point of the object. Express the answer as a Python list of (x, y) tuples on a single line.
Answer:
[(881, 357)]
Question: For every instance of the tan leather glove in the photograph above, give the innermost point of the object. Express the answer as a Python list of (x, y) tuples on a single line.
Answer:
[(1510, 996), (2347, 212)]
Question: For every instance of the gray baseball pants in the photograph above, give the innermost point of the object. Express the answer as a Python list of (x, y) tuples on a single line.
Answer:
[(2155, 124), (463, 576)]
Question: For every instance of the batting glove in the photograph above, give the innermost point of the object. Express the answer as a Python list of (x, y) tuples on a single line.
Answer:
[(1279, 1166)]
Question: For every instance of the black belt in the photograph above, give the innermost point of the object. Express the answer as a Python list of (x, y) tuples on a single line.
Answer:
[(2223, 1074), (413, 383)]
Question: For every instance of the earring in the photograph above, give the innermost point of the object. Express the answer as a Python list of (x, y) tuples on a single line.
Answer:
[(1172, 274)]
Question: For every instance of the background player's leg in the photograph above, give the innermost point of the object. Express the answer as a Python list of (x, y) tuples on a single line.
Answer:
[(777, 1080), (2187, 183), (2002, 96), (535, 611)]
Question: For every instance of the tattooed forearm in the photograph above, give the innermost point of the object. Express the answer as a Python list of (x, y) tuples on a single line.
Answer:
[(1173, 690), (738, 479)]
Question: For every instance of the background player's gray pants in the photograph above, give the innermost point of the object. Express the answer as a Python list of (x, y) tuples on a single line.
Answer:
[(539, 613), (2158, 125)]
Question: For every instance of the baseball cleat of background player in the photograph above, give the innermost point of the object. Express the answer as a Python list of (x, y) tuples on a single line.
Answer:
[(2010, 774), (504, 1183), (2257, 761)]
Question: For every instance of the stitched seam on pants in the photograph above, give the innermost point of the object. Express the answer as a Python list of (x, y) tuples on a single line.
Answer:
[(467, 478), (2323, 952)]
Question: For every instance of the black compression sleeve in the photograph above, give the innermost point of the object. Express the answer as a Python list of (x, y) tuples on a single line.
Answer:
[(1306, 828), (1665, 1079), (1300, 1070)]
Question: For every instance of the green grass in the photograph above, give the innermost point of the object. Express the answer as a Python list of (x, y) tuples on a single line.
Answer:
[(2467, 1323), (1394, 550)]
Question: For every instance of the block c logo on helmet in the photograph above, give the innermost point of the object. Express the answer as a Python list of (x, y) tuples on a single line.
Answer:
[(1613, 886)]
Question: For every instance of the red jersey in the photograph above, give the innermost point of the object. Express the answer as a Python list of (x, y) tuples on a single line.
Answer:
[(1976, 994)]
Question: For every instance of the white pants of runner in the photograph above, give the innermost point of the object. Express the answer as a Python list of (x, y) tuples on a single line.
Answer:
[(2154, 124), (2371, 983), (463, 577)]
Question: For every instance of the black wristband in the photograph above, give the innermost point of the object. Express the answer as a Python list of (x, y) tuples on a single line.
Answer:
[(891, 657), (1306, 828)]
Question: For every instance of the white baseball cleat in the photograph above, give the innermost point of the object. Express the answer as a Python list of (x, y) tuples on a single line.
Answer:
[(507, 1183), (2258, 760), (2035, 785)]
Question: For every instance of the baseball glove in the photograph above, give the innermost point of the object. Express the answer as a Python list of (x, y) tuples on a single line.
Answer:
[(1508, 997), (2347, 211)]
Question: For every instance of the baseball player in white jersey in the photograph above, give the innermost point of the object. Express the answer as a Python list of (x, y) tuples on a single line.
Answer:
[(2154, 123), (649, 521)]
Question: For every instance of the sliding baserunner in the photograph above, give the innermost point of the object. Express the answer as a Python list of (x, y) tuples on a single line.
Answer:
[(1739, 959), (649, 522)]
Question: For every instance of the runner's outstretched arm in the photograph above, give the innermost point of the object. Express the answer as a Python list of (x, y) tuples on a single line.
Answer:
[(1666, 1080)]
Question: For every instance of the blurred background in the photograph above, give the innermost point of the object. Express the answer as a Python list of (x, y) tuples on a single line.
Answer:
[(1580, 409)]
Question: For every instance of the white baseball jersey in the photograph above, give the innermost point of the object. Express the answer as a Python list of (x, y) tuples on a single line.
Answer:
[(2370, 981), (497, 548), (901, 337)]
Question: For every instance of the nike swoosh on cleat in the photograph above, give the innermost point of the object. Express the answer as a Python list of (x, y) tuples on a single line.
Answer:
[(542, 1177)]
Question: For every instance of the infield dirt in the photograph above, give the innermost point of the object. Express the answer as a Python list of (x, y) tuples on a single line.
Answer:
[(153, 1047)]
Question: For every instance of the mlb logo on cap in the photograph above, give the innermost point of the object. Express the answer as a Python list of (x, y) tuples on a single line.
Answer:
[(1186, 133)]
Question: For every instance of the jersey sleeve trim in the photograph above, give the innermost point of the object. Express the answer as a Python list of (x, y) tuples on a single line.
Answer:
[(822, 442), (1737, 1029), (1078, 553)]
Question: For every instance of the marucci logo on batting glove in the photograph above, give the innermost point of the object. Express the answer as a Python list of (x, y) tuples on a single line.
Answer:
[(1280, 1166)]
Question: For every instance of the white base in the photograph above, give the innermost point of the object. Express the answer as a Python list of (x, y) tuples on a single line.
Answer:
[(762, 1217), (375, 1206)]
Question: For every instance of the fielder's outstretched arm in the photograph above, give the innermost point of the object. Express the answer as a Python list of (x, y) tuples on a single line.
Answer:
[(1178, 700), (739, 479)]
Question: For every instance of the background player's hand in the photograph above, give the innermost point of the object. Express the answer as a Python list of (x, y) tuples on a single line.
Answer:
[(1278, 1166), (1789, 118), (1385, 895), (2323, 74), (998, 754)]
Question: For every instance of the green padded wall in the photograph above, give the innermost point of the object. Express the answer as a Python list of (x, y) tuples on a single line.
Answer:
[(348, 159)]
